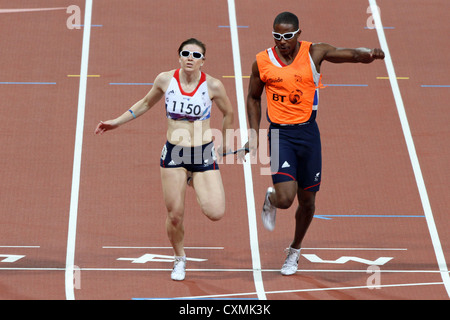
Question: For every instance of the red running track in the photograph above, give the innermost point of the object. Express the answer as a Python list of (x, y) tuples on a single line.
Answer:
[(370, 207)]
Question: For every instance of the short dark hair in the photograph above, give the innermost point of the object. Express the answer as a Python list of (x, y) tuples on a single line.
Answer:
[(286, 18), (192, 41)]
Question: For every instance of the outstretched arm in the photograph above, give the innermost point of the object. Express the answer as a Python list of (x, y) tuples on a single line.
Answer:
[(324, 52), (138, 109)]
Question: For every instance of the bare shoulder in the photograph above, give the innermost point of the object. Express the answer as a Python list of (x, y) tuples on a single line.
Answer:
[(255, 69), (321, 51), (215, 86), (320, 48), (213, 82), (162, 80), (165, 76)]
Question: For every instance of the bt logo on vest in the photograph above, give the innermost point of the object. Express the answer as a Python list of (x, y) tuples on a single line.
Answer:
[(294, 97), (278, 97)]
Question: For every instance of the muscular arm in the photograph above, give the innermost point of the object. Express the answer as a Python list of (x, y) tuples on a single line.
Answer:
[(324, 52), (255, 90)]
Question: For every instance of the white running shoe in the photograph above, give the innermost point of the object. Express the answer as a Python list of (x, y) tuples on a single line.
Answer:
[(179, 269), (269, 211), (291, 263)]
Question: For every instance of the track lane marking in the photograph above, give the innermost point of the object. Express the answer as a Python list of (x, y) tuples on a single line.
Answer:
[(25, 82), (31, 10), (215, 270), (254, 245), (190, 248), (78, 76), (300, 290), (74, 196), (442, 264)]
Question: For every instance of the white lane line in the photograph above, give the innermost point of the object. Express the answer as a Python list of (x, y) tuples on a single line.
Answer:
[(30, 10), (222, 248), (190, 248), (309, 290), (358, 287), (356, 249), (26, 247), (411, 149), (70, 257), (216, 270), (254, 246)]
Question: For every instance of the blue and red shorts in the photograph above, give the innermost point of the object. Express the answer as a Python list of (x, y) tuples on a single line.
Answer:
[(296, 154)]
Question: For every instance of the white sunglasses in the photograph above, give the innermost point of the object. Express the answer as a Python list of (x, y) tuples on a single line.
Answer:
[(195, 54), (285, 36)]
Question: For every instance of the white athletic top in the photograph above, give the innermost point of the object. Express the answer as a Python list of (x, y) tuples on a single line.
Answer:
[(192, 106)]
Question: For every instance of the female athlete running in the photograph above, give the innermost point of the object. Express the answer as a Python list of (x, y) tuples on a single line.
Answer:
[(189, 151)]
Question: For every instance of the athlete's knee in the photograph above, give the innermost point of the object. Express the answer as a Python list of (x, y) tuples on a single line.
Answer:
[(284, 195), (306, 209), (175, 215), (283, 201), (307, 201), (215, 215), (214, 212)]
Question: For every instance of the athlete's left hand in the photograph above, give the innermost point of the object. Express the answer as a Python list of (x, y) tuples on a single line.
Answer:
[(105, 126)]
